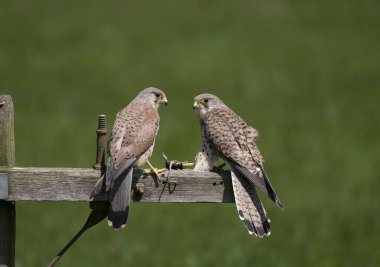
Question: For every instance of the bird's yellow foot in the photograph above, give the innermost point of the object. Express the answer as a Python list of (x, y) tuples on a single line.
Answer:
[(154, 171), (187, 164)]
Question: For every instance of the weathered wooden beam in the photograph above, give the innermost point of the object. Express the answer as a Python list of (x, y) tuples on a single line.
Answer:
[(66, 184), (7, 159)]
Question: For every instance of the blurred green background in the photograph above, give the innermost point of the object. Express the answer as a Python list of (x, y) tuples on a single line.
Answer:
[(304, 73)]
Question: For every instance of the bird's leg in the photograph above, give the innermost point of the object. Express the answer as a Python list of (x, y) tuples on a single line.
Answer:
[(187, 164), (154, 171)]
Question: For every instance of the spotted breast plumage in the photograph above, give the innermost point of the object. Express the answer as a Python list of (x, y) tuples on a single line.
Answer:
[(131, 144), (226, 135)]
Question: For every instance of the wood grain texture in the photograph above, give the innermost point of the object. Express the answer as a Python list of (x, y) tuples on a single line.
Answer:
[(3, 186), (68, 184), (7, 141), (7, 159)]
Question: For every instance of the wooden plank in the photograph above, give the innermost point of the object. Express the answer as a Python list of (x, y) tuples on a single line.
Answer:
[(51, 183), (69, 184), (7, 158)]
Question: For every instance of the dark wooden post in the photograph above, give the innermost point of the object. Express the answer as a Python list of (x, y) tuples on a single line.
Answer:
[(7, 208)]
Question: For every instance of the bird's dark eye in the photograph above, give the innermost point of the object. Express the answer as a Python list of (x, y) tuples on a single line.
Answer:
[(205, 100), (157, 94)]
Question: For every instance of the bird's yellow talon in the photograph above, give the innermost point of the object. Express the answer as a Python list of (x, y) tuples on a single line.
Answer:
[(154, 171), (188, 164)]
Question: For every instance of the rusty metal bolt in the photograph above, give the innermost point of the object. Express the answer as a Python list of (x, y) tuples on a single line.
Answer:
[(100, 143)]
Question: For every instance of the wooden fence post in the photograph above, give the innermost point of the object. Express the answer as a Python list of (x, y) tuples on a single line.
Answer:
[(7, 208)]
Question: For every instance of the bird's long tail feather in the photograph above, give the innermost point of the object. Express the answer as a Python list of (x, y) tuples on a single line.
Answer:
[(119, 201), (249, 206), (262, 183)]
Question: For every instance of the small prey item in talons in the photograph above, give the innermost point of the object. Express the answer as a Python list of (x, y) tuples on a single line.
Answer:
[(175, 164)]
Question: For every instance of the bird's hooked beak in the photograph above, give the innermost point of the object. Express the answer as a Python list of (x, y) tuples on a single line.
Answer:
[(165, 101), (195, 105)]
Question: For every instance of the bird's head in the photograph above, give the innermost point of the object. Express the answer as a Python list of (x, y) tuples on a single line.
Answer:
[(206, 102), (154, 96)]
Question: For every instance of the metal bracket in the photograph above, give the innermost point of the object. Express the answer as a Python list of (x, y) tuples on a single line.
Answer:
[(4, 186)]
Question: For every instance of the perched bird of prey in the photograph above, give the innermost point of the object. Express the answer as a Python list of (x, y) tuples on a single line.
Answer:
[(131, 144), (226, 135)]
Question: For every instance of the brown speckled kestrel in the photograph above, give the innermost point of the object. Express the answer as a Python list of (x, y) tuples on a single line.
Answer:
[(131, 144), (226, 135)]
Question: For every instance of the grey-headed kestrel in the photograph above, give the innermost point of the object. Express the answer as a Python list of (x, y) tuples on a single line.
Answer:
[(226, 135), (131, 144)]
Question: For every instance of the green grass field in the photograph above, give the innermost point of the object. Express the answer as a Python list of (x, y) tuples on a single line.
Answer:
[(305, 74)]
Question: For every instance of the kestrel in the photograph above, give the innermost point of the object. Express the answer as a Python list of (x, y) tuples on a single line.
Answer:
[(226, 135), (131, 144)]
